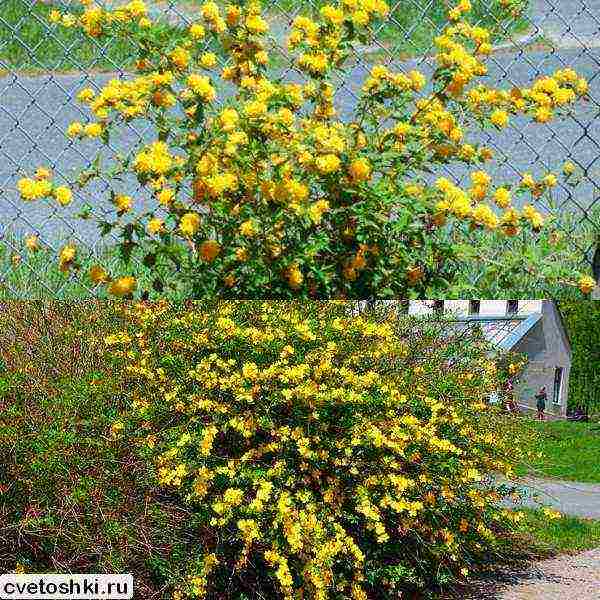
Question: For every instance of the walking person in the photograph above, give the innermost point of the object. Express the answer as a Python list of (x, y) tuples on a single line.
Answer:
[(511, 405), (541, 398)]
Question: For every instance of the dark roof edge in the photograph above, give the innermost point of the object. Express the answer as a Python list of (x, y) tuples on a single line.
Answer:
[(500, 317)]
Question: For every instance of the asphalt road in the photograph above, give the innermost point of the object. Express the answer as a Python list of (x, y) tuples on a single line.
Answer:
[(34, 112), (568, 497)]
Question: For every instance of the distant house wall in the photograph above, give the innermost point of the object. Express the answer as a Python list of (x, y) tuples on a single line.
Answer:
[(547, 349), (486, 307)]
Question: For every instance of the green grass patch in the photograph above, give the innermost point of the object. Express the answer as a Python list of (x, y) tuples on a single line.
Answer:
[(30, 42), (569, 450), (556, 536), (35, 275), (411, 27)]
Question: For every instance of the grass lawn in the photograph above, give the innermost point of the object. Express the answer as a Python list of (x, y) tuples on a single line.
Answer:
[(567, 534), (570, 451), (26, 275), (28, 41), (412, 26)]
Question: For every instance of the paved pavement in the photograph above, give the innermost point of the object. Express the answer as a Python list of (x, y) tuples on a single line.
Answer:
[(568, 23), (34, 111), (568, 497)]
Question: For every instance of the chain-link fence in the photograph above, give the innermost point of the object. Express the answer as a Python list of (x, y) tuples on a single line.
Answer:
[(43, 67)]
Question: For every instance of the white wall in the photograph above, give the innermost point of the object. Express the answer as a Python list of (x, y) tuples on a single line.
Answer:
[(487, 307)]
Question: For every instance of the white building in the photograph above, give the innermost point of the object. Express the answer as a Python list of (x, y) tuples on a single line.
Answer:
[(531, 327)]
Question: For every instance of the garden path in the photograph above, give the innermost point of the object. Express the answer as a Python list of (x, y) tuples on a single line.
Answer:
[(566, 577), (568, 23), (568, 497)]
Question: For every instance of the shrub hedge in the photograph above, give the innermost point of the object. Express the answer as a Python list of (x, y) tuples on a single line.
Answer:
[(582, 320), (321, 452)]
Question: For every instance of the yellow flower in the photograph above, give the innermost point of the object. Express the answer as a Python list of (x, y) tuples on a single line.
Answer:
[(255, 109), (210, 11), (32, 242), (248, 228), (294, 276), (233, 15), (180, 57), (582, 86), (66, 257), (417, 79), (569, 168), (360, 169), (30, 189), (68, 20), (209, 250), (241, 254), (165, 196), (256, 24), (43, 173), (528, 181), (201, 85), (63, 195), (155, 225), (93, 130), (189, 224), (229, 118), (208, 60), (502, 197), (197, 31), (499, 118), (123, 202), (550, 513), (543, 114), (328, 163), (480, 178), (75, 129), (54, 16), (85, 95), (332, 14), (317, 209), (587, 284), (123, 286), (550, 180), (98, 274)]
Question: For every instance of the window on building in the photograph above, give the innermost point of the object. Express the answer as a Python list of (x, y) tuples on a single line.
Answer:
[(403, 306), (558, 379), (438, 307), (512, 307), (474, 307)]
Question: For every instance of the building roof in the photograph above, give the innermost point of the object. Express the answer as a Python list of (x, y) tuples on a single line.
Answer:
[(503, 331)]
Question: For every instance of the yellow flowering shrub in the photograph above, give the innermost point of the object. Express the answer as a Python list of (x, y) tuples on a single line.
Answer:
[(321, 451), (266, 191)]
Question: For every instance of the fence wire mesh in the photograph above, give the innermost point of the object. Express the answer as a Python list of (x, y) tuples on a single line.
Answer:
[(43, 68)]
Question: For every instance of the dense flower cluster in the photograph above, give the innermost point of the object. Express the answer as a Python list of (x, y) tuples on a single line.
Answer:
[(326, 452), (270, 191)]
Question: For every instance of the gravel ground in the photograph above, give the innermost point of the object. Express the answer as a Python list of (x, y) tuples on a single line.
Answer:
[(566, 577)]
